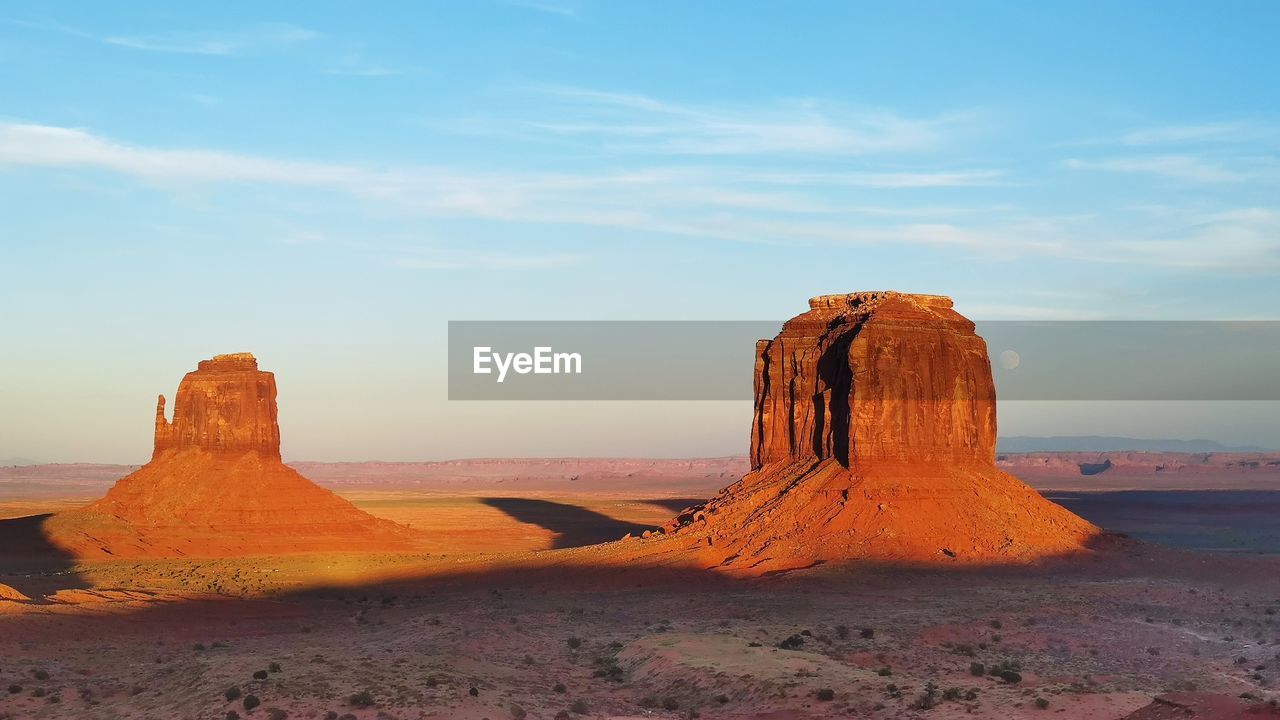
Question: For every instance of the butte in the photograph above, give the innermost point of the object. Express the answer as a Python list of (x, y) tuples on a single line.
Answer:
[(873, 439), (216, 486)]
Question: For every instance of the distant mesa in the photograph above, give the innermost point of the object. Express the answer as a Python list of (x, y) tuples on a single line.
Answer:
[(874, 438), (216, 486)]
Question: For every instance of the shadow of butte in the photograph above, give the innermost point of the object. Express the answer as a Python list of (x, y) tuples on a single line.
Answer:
[(574, 526), (32, 564)]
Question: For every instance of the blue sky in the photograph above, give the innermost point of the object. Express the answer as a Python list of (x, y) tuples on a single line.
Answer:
[(326, 187)]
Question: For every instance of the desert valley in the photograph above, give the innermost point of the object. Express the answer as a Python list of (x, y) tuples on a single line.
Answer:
[(872, 556)]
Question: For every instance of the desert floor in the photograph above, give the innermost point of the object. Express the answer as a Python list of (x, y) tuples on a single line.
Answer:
[(503, 618)]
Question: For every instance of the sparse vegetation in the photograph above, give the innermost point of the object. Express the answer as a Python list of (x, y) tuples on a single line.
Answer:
[(251, 702), (260, 675), (826, 695), (365, 699), (977, 669), (867, 633), (792, 643), (579, 706), (573, 643), (518, 712), (1042, 703), (232, 693)]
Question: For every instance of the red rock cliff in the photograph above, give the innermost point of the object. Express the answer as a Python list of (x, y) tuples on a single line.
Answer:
[(874, 376), (873, 438), (216, 487), (226, 405)]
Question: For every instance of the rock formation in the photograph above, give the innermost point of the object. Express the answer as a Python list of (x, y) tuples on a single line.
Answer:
[(216, 486), (874, 437)]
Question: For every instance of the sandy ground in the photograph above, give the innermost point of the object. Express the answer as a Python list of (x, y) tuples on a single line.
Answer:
[(539, 632)]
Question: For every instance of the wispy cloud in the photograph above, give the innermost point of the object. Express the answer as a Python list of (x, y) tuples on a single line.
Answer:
[(1223, 132), (1187, 168), (709, 202), (454, 259), (633, 122), (1178, 167), (550, 7), (235, 42)]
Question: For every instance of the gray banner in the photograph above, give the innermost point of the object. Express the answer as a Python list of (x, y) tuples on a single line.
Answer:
[(714, 360)]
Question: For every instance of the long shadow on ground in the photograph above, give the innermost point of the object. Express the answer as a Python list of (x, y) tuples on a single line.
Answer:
[(675, 505), (573, 526), (32, 565)]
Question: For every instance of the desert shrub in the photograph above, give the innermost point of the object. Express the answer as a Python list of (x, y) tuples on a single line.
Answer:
[(579, 706), (15, 689), (363, 699), (1042, 703), (473, 691), (670, 703), (826, 695), (232, 715), (842, 631), (929, 698), (560, 688), (884, 672), (563, 715), (649, 701), (232, 693), (273, 667), (573, 643), (518, 712), (996, 624), (1010, 676), (952, 693), (198, 647), (792, 643), (331, 715), (38, 692), (977, 669), (251, 702), (277, 714), (722, 699), (41, 675), (867, 633), (260, 675)]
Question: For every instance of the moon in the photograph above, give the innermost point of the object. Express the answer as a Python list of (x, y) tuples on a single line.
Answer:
[(1010, 359)]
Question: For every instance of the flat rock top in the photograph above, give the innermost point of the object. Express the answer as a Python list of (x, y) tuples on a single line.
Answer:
[(230, 361), (869, 299)]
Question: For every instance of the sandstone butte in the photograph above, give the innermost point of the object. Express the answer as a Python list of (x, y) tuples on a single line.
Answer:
[(873, 439), (216, 486)]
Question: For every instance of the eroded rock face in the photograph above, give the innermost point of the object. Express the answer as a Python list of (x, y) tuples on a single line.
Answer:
[(872, 377), (216, 486), (874, 438), (226, 405)]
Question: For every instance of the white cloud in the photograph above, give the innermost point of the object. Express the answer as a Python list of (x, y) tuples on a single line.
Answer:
[(550, 7), (698, 202), (454, 259), (236, 42), (1188, 168), (632, 122)]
